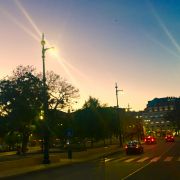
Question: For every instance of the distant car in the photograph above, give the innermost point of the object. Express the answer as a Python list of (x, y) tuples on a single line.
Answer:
[(169, 138), (134, 147), (150, 140)]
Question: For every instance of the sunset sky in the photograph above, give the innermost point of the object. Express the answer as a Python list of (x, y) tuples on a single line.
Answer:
[(135, 43)]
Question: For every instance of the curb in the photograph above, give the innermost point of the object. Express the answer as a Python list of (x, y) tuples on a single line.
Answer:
[(62, 163)]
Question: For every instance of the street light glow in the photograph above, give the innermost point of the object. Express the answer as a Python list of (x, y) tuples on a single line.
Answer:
[(54, 52)]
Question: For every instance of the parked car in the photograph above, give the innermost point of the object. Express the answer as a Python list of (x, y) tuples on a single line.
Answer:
[(169, 138), (150, 140), (134, 147)]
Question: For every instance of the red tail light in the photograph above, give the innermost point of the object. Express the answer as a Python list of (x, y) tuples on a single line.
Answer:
[(126, 147), (152, 139)]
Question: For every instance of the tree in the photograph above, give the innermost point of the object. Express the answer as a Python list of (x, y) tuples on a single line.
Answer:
[(95, 121), (86, 120), (92, 103), (109, 123), (3, 128), (61, 93), (21, 100)]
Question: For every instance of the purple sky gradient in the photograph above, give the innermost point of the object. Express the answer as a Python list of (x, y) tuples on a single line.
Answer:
[(133, 43)]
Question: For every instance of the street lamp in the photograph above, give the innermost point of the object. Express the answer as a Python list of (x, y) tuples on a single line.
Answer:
[(45, 106), (120, 130)]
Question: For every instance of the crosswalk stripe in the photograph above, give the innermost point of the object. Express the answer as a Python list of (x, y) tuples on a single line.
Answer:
[(136, 159), (129, 160), (114, 159), (107, 159), (143, 159), (155, 159), (169, 158), (121, 159)]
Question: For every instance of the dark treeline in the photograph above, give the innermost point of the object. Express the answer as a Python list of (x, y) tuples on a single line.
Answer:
[(21, 115)]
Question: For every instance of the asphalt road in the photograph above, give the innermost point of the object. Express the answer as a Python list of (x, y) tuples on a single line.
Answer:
[(160, 161)]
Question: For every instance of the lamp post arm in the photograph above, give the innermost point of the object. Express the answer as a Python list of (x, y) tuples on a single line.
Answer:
[(48, 48)]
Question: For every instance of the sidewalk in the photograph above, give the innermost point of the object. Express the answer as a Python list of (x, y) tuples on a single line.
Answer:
[(33, 162)]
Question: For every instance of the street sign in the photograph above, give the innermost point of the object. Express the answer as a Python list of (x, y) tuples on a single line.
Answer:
[(69, 132)]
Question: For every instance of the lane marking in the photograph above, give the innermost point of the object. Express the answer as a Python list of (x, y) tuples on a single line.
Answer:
[(107, 159), (120, 159), (114, 159), (155, 159), (143, 159), (129, 160), (169, 158), (137, 170)]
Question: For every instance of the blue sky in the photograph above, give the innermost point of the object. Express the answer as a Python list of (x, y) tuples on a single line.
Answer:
[(132, 42)]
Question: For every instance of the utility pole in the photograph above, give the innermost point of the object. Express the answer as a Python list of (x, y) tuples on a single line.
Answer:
[(118, 116), (117, 90), (45, 106), (128, 108)]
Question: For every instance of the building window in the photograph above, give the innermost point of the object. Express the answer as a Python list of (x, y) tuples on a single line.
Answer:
[(171, 108), (166, 108), (155, 109)]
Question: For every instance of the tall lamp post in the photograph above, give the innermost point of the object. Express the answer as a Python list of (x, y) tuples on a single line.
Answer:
[(45, 107), (120, 130)]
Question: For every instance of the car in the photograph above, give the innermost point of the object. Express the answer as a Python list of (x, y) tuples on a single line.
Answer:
[(150, 140), (134, 147), (169, 138)]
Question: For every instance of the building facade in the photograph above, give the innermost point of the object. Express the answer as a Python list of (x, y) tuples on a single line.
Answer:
[(154, 115)]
